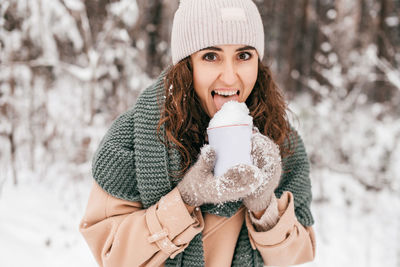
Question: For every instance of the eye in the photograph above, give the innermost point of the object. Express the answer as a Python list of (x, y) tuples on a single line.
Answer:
[(210, 56), (245, 56)]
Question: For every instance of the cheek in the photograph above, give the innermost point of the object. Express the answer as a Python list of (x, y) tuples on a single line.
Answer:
[(201, 91), (253, 73), (202, 80), (249, 78), (252, 79), (199, 87)]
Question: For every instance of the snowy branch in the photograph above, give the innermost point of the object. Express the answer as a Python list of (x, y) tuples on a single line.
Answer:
[(392, 74)]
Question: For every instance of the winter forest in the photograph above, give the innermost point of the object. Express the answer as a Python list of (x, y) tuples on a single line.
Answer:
[(68, 68)]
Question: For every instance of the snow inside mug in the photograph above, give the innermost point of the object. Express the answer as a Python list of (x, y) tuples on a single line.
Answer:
[(232, 145)]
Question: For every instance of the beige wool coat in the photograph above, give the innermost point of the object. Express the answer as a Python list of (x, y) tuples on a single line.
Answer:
[(121, 233)]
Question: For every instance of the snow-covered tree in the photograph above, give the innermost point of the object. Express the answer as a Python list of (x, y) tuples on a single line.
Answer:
[(60, 78)]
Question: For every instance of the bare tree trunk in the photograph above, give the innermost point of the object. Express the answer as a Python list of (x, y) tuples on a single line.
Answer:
[(12, 154), (381, 38), (96, 13), (154, 34), (302, 66), (92, 96), (362, 24), (31, 122), (382, 91), (287, 42), (12, 117), (151, 34)]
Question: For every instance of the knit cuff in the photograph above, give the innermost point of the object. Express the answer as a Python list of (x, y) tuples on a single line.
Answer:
[(269, 219)]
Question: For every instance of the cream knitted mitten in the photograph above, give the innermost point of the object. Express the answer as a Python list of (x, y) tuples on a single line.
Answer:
[(199, 186), (266, 157)]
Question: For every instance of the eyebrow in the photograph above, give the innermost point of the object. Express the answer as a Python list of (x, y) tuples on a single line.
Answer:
[(237, 50)]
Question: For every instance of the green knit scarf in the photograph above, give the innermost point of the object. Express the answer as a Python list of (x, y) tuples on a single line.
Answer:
[(132, 164)]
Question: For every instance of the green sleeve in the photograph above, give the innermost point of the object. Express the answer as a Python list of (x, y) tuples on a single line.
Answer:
[(113, 165)]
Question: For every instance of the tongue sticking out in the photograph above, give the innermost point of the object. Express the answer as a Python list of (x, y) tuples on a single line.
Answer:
[(219, 100)]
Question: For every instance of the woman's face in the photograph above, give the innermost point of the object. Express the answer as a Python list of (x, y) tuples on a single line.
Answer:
[(223, 73)]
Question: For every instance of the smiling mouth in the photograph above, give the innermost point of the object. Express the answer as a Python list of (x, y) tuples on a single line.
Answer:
[(220, 97), (225, 92)]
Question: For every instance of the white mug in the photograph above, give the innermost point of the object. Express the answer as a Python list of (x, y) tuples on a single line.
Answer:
[(232, 145)]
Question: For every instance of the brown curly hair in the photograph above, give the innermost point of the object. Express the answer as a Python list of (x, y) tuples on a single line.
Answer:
[(185, 122)]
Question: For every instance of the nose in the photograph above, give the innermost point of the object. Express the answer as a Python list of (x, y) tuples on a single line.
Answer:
[(228, 73)]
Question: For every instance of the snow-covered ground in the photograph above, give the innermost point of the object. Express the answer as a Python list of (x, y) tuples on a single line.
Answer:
[(39, 223), (361, 230)]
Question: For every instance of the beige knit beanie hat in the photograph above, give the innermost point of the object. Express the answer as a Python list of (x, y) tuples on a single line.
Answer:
[(202, 23)]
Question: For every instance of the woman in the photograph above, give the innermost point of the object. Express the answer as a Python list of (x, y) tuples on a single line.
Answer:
[(155, 201)]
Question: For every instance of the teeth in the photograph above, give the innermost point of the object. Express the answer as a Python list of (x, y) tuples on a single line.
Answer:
[(226, 92)]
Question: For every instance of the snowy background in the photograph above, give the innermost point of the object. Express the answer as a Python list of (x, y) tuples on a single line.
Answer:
[(67, 69)]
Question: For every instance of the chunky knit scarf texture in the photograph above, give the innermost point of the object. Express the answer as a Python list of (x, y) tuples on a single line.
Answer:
[(132, 164)]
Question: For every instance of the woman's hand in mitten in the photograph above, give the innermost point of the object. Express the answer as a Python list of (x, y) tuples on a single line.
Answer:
[(266, 157), (199, 186)]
